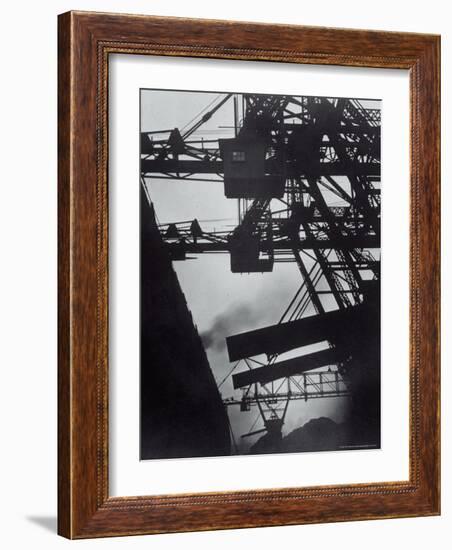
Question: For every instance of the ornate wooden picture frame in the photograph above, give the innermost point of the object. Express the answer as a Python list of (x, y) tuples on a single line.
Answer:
[(86, 40)]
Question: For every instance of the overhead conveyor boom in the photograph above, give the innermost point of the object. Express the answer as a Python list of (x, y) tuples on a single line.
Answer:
[(283, 337), (284, 369)]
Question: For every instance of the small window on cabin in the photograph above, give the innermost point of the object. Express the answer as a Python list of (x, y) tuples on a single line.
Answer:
[(238, 156)]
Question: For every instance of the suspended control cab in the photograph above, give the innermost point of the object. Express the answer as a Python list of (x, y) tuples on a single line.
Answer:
[(251, 252), (248, 172), (244, 404)]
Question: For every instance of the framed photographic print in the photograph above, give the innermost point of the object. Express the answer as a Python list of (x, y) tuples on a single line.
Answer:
[(248, 275)]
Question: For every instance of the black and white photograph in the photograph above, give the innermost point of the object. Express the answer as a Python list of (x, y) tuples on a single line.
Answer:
[(223, 318), (260, 273)]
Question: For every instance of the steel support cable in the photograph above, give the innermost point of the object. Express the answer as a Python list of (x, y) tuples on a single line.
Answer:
[(206, 117), (201, 112), (330, 276), (254, 423), (228, 375), (304, 299), (302, 286), (332, 227), (301, 308)]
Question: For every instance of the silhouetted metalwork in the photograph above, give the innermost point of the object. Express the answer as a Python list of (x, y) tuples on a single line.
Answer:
[(319, 160)]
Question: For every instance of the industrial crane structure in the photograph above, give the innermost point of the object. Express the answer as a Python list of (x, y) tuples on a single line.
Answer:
[(305, 172)]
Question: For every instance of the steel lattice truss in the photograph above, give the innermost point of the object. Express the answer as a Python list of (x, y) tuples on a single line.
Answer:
[(317, 203)]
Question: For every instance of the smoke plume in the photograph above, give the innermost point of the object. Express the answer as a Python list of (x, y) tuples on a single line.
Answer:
[(235, 319)]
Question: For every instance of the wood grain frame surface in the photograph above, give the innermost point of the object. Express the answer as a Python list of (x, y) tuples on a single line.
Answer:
[(85, 508)]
